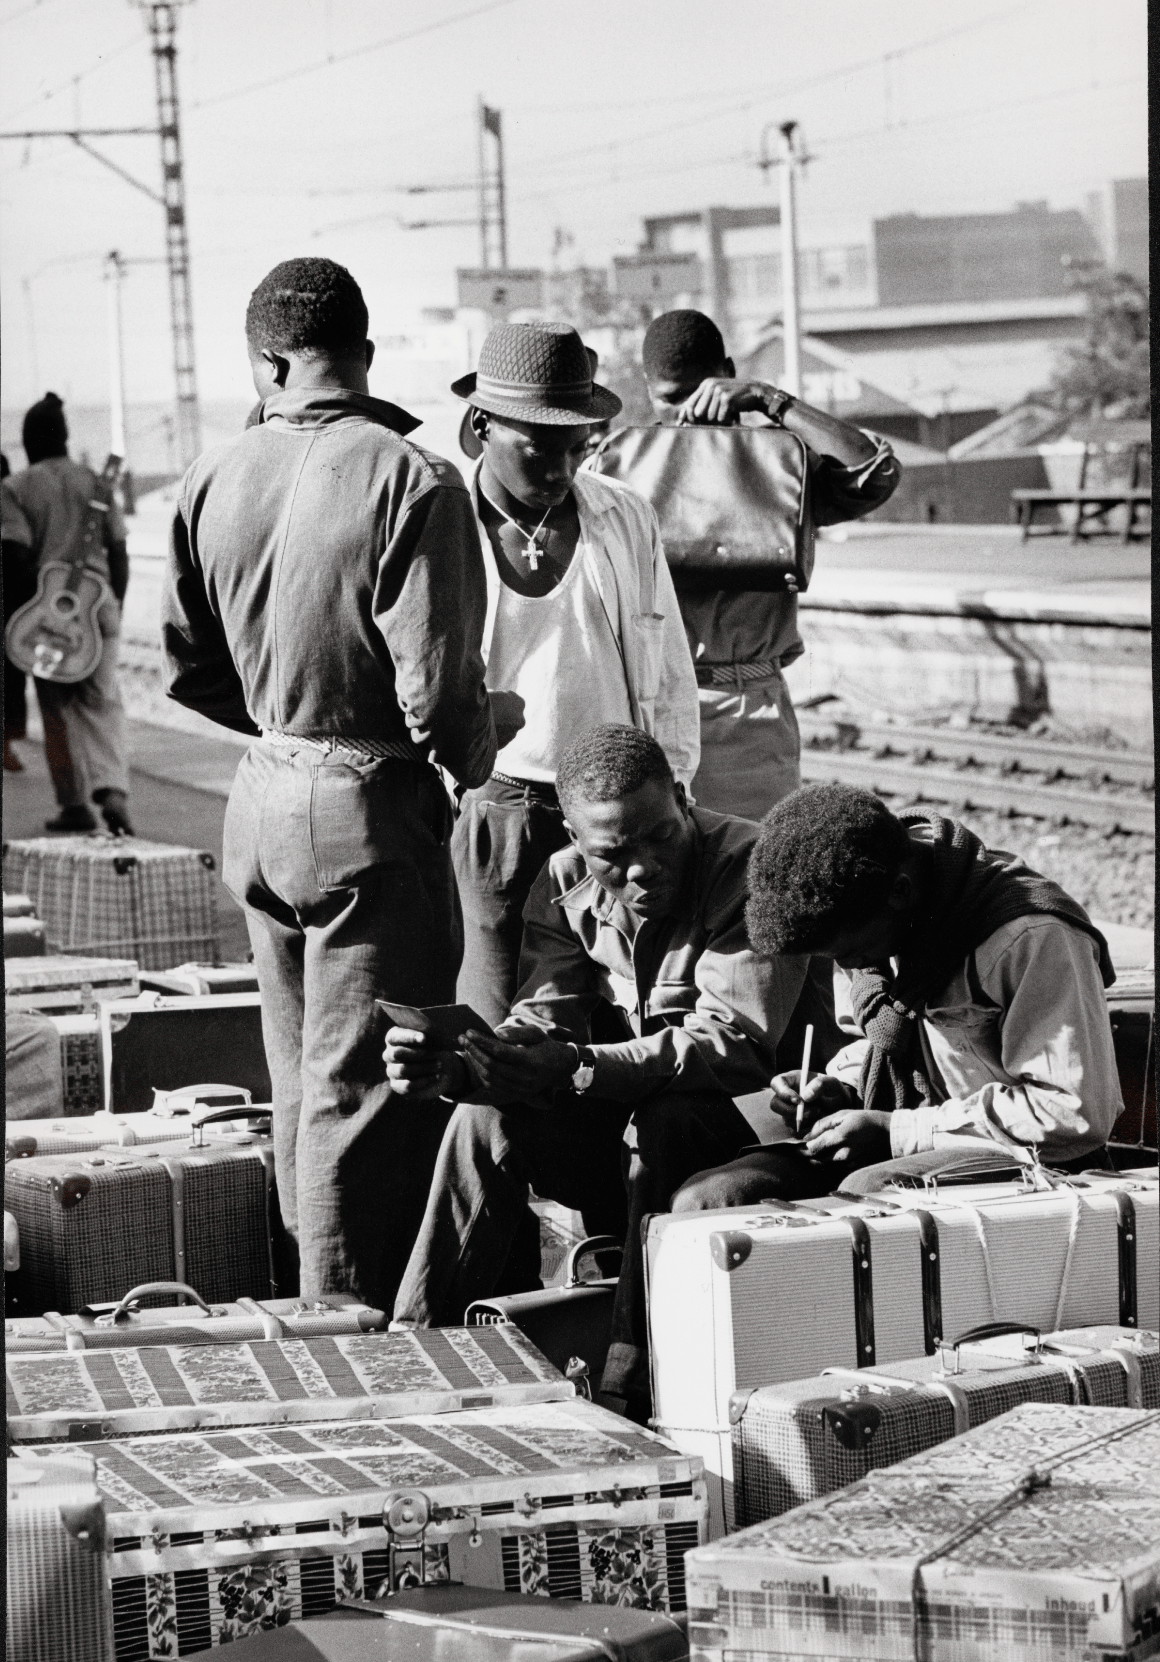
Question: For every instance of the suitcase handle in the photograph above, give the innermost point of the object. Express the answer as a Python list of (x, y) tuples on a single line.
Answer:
[(237, 1112), (989, 1330), (147, 1289), (594, 1243)]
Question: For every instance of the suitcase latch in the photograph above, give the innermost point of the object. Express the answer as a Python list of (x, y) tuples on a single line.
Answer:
[(405, 1519)]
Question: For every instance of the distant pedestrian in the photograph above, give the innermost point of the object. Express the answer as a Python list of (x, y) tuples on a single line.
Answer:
[(325, 594), (742, 641), (582, 622), (46, 512)]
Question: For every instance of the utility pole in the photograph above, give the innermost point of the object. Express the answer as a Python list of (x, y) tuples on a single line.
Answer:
[(790, 313), (492, 190), (161, 17), (114, 271)]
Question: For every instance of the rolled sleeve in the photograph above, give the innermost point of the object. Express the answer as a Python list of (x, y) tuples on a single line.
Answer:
[(842, 493)]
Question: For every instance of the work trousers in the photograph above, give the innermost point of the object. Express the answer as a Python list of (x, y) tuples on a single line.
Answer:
[(614, 1162), (19, 587), (84, 724), (750, 747), (776, 1173), (503, 838), (344, 872)]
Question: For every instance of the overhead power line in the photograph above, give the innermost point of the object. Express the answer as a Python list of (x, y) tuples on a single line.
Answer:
[(355, 52)]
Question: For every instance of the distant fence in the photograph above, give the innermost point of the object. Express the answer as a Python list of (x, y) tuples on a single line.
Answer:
[(974, 491)]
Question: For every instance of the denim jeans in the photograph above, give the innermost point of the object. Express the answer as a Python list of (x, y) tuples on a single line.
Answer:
[(614, 1162), (503, 838), (345, 875)]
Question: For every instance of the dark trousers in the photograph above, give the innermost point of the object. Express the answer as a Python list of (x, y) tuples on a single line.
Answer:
[(19, 588), (614, 1162), (776, 1173), (503, 838), (345, 875)]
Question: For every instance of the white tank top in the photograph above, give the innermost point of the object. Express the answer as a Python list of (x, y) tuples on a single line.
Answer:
[(558, 651)]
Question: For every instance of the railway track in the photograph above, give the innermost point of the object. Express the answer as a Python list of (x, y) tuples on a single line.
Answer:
[(1106, 789)]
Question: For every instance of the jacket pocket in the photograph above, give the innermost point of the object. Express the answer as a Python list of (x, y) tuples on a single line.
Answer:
[(365, 816)]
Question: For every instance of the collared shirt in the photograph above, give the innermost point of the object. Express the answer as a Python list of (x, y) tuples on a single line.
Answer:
[(46, 508), (325, 581), (1018, 1045), (622, 559), (706, 1012), (725, 627)]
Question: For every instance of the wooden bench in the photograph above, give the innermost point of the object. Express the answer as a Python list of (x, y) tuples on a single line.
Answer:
[(1095, 504)]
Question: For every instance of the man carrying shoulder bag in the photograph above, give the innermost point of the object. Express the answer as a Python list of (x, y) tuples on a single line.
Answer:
[(737, 518)]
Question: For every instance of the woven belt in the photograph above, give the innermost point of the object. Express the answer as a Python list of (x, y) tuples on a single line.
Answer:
[(355, 750), (731, 675), (539, 788)]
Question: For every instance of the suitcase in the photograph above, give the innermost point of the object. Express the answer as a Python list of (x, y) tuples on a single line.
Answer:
[(24, 938), (18, 906), (1132, 1011), (200, 980), (59, 984), (169, 1123), (192, 1211), (76, 1395), (473, 1624), (571, 1323), (747, 1297), (115, 1324), (155, 1043), (1035, 1536), (795, 1442), (122, 897), (80, 1063), (220, 1535), (561, 1228), (59, 1604)]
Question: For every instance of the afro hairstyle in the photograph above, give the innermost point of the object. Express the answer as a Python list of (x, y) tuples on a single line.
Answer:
[(678, 344), (308, 306), (824, 862), (45, 431), (609, 762)]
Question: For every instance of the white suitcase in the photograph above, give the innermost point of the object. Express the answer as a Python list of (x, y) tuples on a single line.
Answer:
[(60, 1606), (29, 1139), (200, 980), (754, 1296), (60, 984)]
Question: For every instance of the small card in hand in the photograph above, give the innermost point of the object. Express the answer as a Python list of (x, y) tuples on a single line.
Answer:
[(443, 1022)]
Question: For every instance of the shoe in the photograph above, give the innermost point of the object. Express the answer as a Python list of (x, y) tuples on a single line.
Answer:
[(12, 762), (115, 811), (76, 817)]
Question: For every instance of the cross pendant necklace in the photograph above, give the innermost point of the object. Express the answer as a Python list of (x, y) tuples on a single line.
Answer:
[(532, 551)]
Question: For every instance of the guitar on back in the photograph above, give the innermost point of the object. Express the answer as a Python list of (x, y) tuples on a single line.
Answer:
[(55, 636)]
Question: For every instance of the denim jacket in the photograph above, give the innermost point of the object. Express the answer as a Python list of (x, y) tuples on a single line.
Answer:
[(325, 580)]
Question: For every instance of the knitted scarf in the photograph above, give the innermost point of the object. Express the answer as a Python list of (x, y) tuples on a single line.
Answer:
[(969, 892)]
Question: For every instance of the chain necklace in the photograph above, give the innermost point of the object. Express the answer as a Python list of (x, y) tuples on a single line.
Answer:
[(532, 551)]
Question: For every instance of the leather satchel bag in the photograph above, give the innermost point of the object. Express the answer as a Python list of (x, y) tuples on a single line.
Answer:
[(733, 502)]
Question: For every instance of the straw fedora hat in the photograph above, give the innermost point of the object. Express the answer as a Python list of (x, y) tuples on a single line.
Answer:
[(539, 373)]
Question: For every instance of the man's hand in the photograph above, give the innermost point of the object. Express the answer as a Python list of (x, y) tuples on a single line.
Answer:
[(507, 711), (857, 1137), (419, 1070), (520, 1062), (822, 1096), (718, 402)]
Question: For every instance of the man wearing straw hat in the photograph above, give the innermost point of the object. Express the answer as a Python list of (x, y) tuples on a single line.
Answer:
[(582, 623)]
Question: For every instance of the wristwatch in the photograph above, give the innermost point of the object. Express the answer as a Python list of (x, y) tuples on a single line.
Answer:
[(585, 1070), (777, 405)]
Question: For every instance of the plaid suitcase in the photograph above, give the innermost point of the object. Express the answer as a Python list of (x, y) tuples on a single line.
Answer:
[(473, 1624), (59, 1606), (795, 1442), (76, 1395), (154, 1043), (80, 1063), (93, 1224), (59, 984), (24, 938), (750, 1297), (200, 980), (117, 1324), (219, 1536), (1035, 1536), (122, 897)]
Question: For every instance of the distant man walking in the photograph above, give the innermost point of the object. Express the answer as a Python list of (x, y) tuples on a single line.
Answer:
[(45, 512), (326, 594)]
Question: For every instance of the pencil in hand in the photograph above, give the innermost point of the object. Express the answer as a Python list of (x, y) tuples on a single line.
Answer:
[(804, 1077)]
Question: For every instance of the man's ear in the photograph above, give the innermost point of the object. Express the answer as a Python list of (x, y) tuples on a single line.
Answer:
[(902, 893), (480, 425), (276, 368), (370, 353), (682, 796), (730, 369), (571, 834)]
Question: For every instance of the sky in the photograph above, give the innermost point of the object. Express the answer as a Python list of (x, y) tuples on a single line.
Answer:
[(306, 122)]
